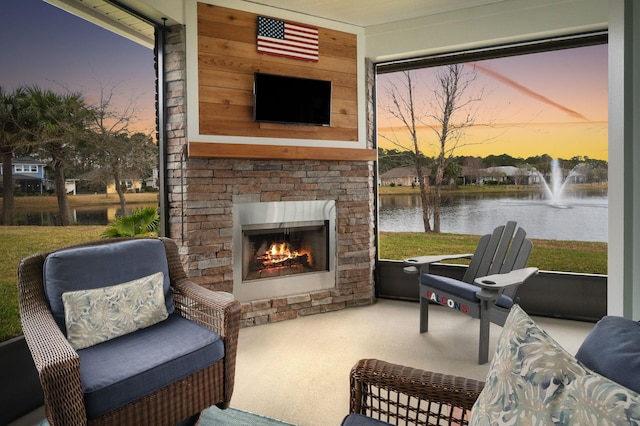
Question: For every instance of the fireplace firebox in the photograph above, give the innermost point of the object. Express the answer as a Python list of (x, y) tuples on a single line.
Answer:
[(283, 248), (296, 248)]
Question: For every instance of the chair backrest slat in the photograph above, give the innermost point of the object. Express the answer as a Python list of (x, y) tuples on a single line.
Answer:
[(514, 252), (503, 247), (482, 260), (499, 252), (481, 248)]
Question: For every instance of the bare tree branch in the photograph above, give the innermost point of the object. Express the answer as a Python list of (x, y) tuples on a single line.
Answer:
[(452, 108)]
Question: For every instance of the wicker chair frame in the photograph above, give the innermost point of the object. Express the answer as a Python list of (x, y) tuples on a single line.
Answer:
[(398, 394), (58, 365)]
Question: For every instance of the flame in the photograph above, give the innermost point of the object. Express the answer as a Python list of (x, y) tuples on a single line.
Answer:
[(279, 253)]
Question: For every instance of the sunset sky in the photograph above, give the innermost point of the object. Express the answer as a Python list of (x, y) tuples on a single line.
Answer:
[(546, 103), (45, 46)]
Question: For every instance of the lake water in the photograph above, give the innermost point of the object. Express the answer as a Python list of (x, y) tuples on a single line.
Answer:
[(93, 215), (582, 215)]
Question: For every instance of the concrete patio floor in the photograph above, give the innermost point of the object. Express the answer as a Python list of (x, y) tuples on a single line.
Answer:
[(298, 370)]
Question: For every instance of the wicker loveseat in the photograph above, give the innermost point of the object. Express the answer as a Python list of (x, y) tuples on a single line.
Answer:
[(159, 373), (532, 380)]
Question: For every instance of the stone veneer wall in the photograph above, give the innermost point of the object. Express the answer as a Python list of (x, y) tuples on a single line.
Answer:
[(202, 193)]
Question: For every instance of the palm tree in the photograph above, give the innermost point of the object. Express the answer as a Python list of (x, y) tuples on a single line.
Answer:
[(12, 137), (7, 133), (57, 122)]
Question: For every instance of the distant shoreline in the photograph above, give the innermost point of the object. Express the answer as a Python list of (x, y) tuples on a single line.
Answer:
[(486, 189), (82, 200)]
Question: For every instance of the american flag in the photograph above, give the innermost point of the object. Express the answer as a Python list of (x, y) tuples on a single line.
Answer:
[(280, 38)]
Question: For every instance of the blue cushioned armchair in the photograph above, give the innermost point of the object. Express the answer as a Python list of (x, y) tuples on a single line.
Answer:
[(106, 354)]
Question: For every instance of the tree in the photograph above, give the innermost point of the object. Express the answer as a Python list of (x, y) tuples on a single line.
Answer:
[(122, 156), (391, 158), (542, 163), (56, 123), (450, 110), (451, 172), (402, 106), (9, 132), (12, 139), (473, 166), (116, 153)]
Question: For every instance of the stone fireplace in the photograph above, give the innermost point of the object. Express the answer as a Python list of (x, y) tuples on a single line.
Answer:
[(206, 197), (284, 248)]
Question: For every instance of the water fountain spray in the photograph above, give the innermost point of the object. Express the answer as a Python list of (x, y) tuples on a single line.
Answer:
[(554, 190)]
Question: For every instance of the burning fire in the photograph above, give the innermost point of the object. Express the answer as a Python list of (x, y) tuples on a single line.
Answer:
[(280, 252)]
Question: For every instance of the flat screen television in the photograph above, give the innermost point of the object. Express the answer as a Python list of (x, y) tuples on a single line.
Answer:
[(291, 100)]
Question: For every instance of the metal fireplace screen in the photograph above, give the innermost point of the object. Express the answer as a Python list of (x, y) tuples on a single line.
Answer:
[(289, 249), (283, 248)]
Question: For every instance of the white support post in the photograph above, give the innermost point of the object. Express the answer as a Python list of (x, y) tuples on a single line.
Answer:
[(623, 291)]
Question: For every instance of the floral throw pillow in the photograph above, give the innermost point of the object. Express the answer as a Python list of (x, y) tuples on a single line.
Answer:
[(533, 380), (96, 315)]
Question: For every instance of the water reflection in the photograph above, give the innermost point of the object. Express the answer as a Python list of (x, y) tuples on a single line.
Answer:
[(94, 216), (583, 216)]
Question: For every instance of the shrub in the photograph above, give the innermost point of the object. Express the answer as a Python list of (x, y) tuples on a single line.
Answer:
[(142, 222)]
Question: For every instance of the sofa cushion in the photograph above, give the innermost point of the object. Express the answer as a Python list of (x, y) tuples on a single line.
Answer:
[(612, 349), (93, 316), (121, 370), (461, 289), (90, 267), (531, 378)]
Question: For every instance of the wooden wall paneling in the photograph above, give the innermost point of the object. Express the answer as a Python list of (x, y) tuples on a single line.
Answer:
[(228, 58)]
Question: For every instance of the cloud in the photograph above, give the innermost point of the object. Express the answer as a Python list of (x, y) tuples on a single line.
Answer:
[(525, 90)]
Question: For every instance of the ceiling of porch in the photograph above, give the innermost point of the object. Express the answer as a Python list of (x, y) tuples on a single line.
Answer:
[(114, 15), (365, 13)]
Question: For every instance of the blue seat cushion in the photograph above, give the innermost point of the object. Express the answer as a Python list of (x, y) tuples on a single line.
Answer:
[(85, 268), (460, 289), (360, 420), (612, 349), (119, 371)]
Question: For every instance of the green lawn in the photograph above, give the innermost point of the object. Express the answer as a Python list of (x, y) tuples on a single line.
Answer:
[(42, 202), (17, 242), (548, 255)]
